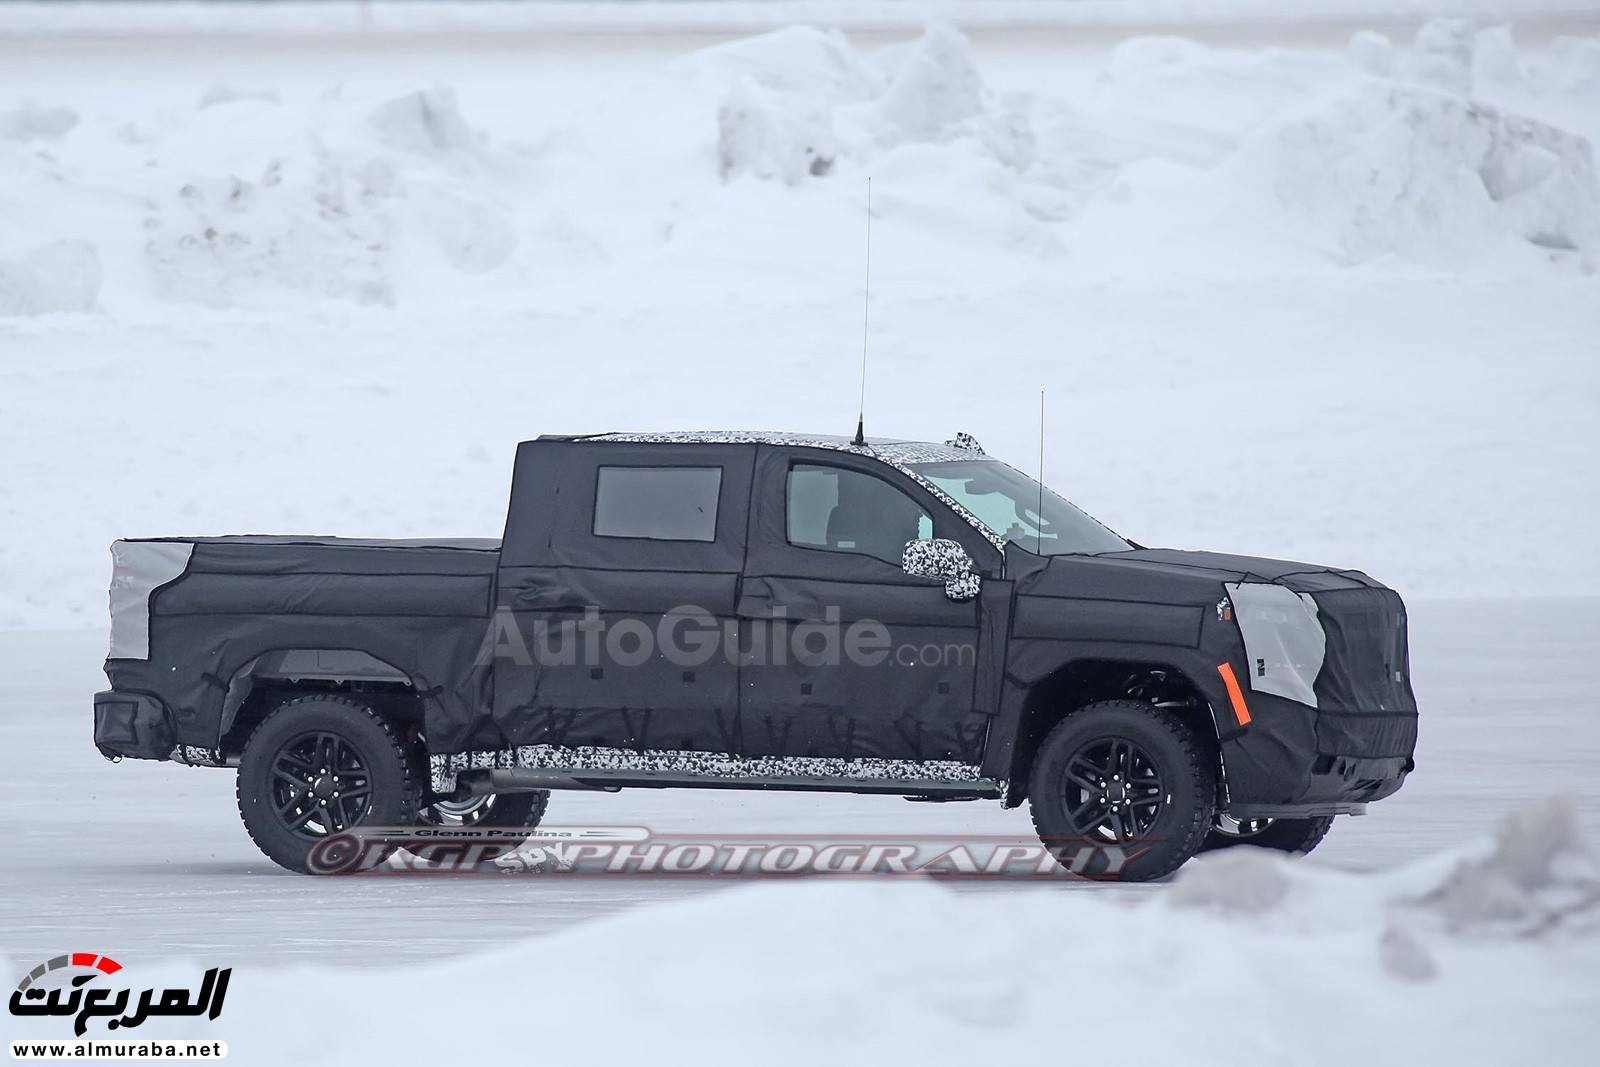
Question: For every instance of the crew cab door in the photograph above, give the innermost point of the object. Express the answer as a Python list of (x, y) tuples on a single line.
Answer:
[(844, 654), (618, 579)]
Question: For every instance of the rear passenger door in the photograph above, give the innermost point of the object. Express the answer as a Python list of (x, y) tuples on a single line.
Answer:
[(619, 578)]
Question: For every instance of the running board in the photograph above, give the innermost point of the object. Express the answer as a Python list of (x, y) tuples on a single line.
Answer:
[(1294, 811), (553, 767), (475, 783)]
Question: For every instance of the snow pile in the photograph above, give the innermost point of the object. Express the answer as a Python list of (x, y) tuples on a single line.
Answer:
[(1442, 56), (61, 276), (796, 60), (773, 134), (1158, 229), (30, 122), (1416, 165), (1394, 154), (1453, 154), (266, 203), (1537, 877), (1431, 177), (1247, 949), (247, 201), (1458, 153), (938, 95), (791, 90)]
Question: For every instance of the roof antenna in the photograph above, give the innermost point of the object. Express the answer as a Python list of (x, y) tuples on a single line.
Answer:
[(1038, 516), (866, 320)]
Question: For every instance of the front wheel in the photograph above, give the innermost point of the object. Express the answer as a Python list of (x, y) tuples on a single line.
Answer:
[(1298, 836), (318, 766), (1121, 777), (493, 809)]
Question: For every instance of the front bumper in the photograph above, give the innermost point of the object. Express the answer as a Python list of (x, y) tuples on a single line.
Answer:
[(1294, 760)]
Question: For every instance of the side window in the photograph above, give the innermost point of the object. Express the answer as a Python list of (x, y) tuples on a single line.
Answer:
[(659, 503), (842, 510)]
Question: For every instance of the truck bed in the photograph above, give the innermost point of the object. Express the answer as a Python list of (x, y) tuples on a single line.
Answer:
[(194, 616)]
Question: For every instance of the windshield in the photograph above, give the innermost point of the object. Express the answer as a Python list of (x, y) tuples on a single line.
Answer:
[(1008, 502)]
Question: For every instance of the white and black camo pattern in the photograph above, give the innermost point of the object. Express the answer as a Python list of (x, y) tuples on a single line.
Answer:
[(897, 454), (966, 443), (940, 558), (195, 756), (704, 764), (964, 587)]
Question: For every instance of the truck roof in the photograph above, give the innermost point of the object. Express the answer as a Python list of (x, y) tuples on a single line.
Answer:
[(891, 450)]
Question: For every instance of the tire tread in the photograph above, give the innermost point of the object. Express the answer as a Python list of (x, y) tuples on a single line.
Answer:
[(1196, 764), (411, 778)]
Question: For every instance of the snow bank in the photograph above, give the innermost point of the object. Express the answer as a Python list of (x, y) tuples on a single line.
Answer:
[(259, 202), (1164, 212), (938, 94), (790, 89), (1247, 950), (1459, 152), (771, 133), (61, 276), (1536, 879), (1394, 155), (30, 122), (1452, 154), (1430, 177)]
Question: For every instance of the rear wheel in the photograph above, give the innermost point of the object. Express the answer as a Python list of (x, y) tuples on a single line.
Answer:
[(1125, 774), (1286, 835), (318, 766)]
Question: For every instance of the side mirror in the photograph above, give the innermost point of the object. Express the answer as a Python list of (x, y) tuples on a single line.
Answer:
[(945, 560)]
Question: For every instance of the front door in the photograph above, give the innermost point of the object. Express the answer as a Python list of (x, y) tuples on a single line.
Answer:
[(842, 654)]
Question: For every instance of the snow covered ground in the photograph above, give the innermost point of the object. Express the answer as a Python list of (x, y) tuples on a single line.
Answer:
[(1336, 303), (148, 863)]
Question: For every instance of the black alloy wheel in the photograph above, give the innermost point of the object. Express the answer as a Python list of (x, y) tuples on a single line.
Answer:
[(1122, 790)]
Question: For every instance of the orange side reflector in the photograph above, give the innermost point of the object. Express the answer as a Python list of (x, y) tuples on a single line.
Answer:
[(1235, 694)]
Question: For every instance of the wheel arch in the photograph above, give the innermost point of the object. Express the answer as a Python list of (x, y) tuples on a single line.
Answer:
[(275, 676), (1081, 682)]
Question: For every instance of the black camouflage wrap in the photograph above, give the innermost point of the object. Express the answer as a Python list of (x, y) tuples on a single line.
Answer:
[(428, 612)]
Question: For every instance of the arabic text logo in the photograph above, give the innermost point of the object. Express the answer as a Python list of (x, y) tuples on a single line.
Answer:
[(77, 998)]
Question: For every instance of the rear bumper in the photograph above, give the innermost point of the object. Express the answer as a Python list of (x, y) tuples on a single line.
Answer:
[(1294, 760), (135, 725)]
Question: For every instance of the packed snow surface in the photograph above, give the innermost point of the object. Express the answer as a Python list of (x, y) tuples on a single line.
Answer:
[(1484, 955), (1450, 959)]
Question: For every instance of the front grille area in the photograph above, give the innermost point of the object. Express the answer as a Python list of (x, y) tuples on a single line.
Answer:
[(1366, 669)]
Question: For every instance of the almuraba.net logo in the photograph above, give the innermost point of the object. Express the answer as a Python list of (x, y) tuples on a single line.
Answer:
[(66, 986)]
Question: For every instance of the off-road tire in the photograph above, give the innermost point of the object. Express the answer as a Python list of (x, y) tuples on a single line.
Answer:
[(1298, 836), (1177, 812), (390, 777)]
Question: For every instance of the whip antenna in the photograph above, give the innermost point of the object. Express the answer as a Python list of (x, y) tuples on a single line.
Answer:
[(866, 321), (1038, 516)]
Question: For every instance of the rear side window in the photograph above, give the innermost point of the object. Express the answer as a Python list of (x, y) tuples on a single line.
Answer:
[(658, 503)]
